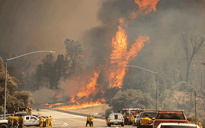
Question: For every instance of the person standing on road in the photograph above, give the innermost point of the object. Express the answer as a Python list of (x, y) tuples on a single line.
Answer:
[(30, 110), (15, 121), (10, 121), (88, 121), (41, 121), (47, 122), (51, 121), (146, 120), (21, 121), (91, 121)]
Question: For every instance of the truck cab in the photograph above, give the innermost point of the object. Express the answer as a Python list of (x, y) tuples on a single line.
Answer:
[(169, 117)]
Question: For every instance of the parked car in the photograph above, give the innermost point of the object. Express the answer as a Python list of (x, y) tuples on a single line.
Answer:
[(177, 125), (31, 121), (152, 115), (115, 119), (169, 117)]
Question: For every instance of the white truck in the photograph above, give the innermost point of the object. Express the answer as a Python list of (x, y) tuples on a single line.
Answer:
[(3, 123), (115, 119)]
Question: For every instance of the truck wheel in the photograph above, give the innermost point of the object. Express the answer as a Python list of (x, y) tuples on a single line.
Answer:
[(108, 125), (3, 126), (122, 125)]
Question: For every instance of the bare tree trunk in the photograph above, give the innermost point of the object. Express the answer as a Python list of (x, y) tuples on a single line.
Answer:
[(191, 45)]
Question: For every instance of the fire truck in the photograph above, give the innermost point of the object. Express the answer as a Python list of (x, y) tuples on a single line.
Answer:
[(128, 114)]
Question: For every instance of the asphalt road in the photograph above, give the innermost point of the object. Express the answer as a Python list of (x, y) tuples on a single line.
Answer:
[(61, 120)]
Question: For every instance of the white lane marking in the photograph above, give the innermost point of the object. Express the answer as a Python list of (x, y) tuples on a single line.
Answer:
[(65, 124), (100, 120)]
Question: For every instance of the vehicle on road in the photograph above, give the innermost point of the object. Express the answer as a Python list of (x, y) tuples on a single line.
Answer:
[(3, 123), (169, 117), (115, 119), (177, 125), (31, 121), (151, 114), (128, 113)]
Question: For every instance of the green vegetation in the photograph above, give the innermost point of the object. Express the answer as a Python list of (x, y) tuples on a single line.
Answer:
[(15, 98)]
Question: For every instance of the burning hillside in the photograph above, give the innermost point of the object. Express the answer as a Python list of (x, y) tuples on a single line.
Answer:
[(113, 71)]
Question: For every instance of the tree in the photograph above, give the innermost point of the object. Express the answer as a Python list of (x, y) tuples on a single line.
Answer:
[(51, 71), (14, 99), (132, 98), (191, 45), (73, 51)]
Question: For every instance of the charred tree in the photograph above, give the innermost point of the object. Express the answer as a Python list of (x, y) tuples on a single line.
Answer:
[(191, 45)]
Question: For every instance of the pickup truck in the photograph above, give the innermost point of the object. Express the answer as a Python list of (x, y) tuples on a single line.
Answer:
[(169, 117), (3, 123), (31, 121)]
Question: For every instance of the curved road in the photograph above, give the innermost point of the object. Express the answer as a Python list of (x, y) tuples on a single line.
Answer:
[(61, 120)]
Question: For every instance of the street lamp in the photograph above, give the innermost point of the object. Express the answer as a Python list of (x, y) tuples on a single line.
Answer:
[(6, 73), (150, 72)]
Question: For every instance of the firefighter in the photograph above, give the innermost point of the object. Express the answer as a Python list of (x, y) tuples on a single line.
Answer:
[(91, 121), (15, 121), (146, 120), (41, 121), (106, 119), (199, 123), (132, 119), (88, 121), (21, 121), (30, 111), (51, 121), (10, 121), (47, 122)]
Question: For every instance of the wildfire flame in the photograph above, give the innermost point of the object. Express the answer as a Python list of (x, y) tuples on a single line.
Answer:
[(55, 104), (83, 105), (90, 88), (119, 57)]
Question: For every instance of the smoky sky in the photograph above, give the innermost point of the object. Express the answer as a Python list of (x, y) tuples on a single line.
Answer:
[(44, 24)]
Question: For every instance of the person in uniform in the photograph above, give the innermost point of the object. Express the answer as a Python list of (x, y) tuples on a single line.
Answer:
[(91, 121), (51, 121), (146, 120), (132, 119), (15, 121), (88, 121), (200, 125), (10, 121), (21, 121), (30, 110), (41, 121), (47, 122)]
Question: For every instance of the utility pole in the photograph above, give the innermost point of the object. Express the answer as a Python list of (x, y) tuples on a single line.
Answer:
[(195, 110)]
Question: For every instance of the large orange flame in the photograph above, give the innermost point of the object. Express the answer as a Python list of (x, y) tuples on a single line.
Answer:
[(120, 56), (83, 105), (90, 87), (145, 7)]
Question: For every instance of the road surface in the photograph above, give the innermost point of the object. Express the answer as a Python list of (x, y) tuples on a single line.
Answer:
[(65, 120)]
